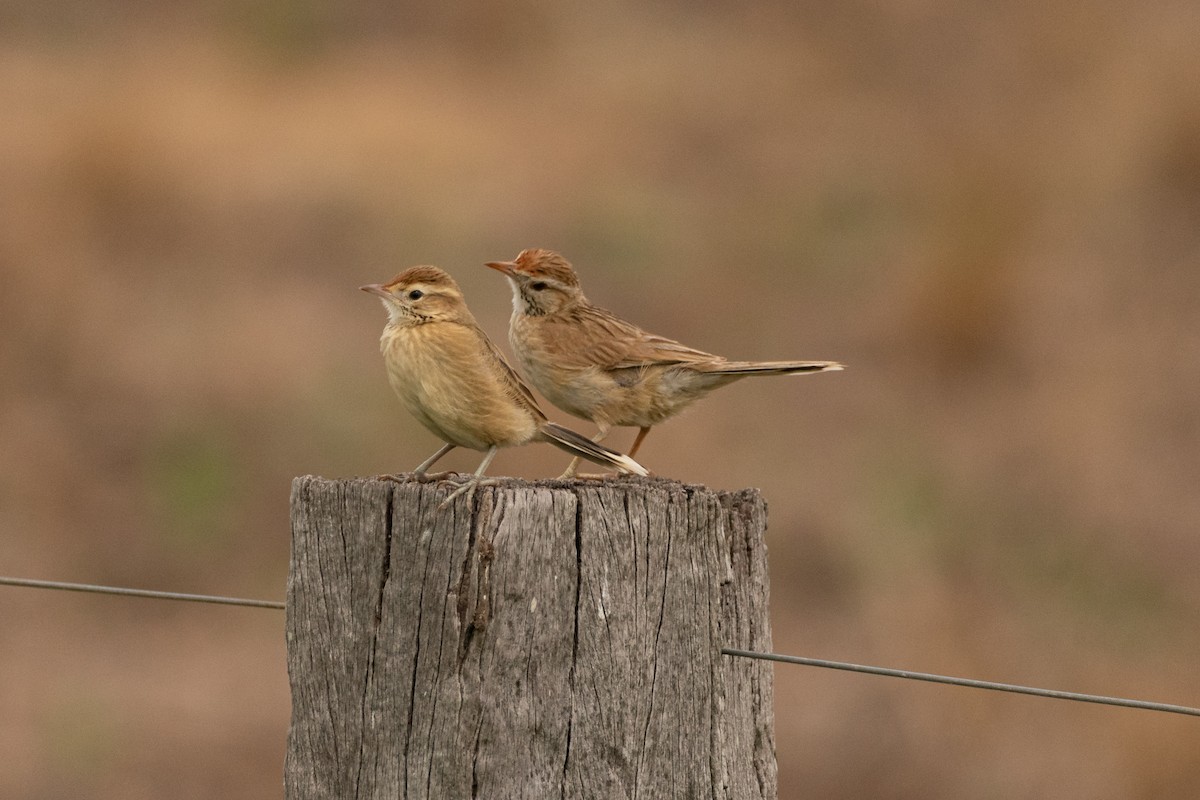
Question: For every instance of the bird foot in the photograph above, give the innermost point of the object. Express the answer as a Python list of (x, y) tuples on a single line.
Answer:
[(468, 488), (414, 477), (429, 477), (587, 476)]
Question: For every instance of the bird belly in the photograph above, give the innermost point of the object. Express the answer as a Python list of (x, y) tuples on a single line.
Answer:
[(635, 396), (574, 391)]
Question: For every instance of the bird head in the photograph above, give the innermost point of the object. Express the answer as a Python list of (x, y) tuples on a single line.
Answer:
[(543, 282), (420, 294)]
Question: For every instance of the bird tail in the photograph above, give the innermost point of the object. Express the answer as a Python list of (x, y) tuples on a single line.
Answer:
[(579, 445), (772, 367)]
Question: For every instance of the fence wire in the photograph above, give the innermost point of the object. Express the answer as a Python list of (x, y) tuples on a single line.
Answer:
[(729, 651), (969, 682), (117, 590)]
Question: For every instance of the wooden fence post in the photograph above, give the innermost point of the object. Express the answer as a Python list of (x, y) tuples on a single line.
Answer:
[(551, 639)]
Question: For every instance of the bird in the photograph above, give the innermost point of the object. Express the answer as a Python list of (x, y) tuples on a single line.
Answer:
[(451, 377), (595, 365)]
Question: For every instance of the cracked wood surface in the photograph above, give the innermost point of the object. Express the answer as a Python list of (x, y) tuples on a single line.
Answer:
[(551, 639)]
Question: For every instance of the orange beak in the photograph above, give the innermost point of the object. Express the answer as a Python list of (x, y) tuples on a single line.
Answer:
[(507, 267)]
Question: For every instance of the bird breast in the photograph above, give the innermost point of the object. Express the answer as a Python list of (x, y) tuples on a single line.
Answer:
[(444, 377)]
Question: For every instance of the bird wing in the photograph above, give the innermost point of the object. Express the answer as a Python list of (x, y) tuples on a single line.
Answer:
[(607, 341), (512, 381)]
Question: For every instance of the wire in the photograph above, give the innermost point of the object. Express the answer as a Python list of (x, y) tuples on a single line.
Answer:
[(191, 598), (999, 687), (729, 651)]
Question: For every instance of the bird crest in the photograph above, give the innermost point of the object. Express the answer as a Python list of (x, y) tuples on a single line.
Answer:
[(426, 275), (536, 262)]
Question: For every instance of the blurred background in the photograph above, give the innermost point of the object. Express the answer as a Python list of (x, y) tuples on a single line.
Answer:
[(989, 211)]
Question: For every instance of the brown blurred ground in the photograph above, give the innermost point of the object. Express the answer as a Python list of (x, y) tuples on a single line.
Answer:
[(991, 212)]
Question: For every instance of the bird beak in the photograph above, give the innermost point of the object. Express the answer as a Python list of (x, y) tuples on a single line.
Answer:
[(509, 268), (376, 288)]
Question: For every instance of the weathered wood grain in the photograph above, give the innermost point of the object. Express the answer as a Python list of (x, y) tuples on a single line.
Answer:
[(553, 639)]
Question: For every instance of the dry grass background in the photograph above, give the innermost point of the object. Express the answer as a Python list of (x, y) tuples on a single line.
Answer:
[(991, 212)]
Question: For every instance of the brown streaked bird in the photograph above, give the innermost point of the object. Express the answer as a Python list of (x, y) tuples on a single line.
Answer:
[(452, 378), (595, 365)]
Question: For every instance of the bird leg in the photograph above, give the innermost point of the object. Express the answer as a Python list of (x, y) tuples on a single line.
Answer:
[(638, 441), (420, 474), (473, 482), (574, 465), (424, 466)]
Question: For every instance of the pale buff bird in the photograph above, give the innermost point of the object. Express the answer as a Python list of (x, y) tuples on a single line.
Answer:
[(452, 378), (590, 363)]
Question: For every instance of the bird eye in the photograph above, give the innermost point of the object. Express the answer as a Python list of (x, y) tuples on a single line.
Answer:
[(415, 294), (537, 286)]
